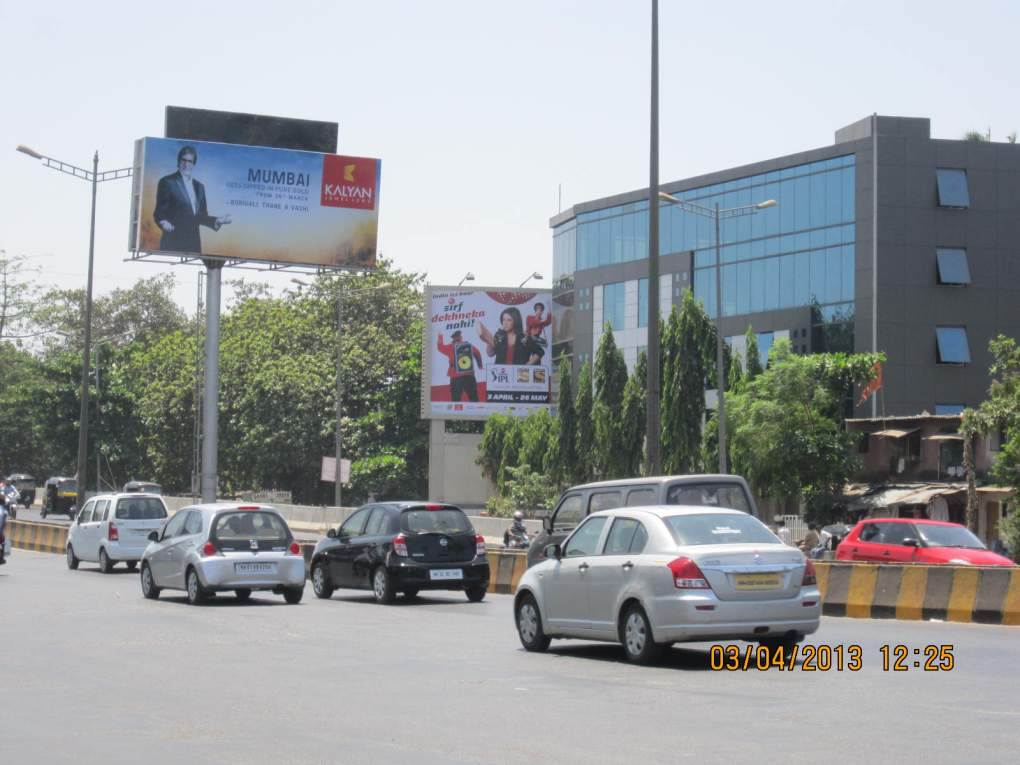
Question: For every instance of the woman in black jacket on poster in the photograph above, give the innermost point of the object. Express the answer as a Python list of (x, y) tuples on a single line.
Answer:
[(510, 344)]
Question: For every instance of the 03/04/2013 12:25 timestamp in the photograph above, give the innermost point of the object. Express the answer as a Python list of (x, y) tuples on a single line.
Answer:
[(810, 657)]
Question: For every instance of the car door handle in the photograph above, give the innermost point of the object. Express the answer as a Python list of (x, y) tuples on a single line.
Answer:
[(583, 567), (886, 552), (627, 566)]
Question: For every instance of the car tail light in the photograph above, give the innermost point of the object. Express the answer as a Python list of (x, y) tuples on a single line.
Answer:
[(810, 577), (432, 506), (112, 534), (247, 507), (687, 575), (209, 549), (400, 545), (294, 549), (479, 544)]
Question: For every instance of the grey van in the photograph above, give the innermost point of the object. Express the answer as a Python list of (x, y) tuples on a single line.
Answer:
[(709, 490)]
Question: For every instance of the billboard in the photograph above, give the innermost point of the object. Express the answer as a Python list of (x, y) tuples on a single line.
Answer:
[(251, 203), (486, 351)]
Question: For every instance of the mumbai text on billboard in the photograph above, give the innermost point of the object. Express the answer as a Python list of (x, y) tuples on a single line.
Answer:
[(251, 203), (487, 351)]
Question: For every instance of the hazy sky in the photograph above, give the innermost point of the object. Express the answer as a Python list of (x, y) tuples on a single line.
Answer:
[(479, 110)]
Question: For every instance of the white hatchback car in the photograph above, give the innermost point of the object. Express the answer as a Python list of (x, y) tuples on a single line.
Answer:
[(114, 528), (212, 548), (651, 576)]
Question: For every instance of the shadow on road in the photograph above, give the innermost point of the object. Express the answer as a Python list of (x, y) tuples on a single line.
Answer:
[(675, 658)]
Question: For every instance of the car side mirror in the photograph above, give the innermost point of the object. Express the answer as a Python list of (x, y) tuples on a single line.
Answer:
[(153, 536), (547, 524), (911, 542), (552, 551), (331, 533)]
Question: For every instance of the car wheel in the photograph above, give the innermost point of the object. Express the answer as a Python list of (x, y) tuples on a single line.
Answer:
[(242, 594), (410, 593), (785, 644), (321, 584), (196, 592), (293, 595), (149, 588), (475, 593), (382, 585), (529, 625), (72, 559), (131, 565), (636, 636), (105, 564)]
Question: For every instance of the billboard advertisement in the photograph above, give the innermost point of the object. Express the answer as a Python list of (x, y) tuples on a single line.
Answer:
[(486, 351), (251, 203)]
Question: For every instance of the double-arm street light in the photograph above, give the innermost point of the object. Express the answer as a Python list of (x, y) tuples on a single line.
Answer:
[(93, 176), (716, 214), (340, 295), (534, 275)]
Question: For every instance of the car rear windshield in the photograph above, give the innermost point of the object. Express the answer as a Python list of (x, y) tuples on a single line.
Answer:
[(141, 509), (719, 529), (949, 536), (728, 495), (449, 520), (240, 527)]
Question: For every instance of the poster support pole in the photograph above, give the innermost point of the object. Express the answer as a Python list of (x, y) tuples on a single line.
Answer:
[(210, 402)]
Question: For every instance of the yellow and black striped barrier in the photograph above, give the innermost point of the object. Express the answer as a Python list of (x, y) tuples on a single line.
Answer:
[(954, 593), (39, 537)]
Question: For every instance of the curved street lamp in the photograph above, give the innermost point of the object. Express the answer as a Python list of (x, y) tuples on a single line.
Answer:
[(534, 275)]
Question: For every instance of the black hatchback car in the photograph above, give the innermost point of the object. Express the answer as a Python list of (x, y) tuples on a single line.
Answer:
[(391, 547)]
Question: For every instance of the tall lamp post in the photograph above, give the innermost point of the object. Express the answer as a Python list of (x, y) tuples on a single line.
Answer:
[(716, 214), (94, 177), (468, 277), (534, 275)]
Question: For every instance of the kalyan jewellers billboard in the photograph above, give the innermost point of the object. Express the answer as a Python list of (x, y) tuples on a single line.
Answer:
[(486, 351), (251, 203)]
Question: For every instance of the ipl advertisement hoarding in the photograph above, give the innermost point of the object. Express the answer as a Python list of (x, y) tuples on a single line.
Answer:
[(251, 203), (486, 351)]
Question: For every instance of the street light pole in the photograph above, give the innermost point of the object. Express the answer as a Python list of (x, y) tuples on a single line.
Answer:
[(720, 385), (717, 215), (339, 387), (94, 177), (653, 427)]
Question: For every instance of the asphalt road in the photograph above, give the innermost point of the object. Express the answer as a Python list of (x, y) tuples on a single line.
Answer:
[(33, 514), (92, 672)]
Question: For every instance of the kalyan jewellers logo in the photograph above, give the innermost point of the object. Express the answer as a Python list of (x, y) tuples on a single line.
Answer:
[(348, 182)]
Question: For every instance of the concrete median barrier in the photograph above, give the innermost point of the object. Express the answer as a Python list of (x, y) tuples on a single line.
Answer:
[(951, 593), (39, 537)]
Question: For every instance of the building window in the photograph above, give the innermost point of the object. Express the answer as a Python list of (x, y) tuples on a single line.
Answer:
[(952, 265), (642, 303), (952, 186), (951, 345), (613, 302), (949, 408)]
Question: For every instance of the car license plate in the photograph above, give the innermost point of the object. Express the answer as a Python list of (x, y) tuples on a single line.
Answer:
[(254, 568), (446, 573), (760, 581)]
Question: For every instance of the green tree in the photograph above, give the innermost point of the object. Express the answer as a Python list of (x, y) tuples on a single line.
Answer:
[(786, 434), (752, 356), (566, 451), (688, 344), (538, 440), (634, 419), (585, 426), (490, 448), (610, 376)]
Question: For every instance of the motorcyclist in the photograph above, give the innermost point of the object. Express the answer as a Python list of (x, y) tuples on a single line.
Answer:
[(3, 524), (517, 533)]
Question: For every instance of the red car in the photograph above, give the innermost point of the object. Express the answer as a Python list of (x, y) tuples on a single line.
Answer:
[(915, 540)]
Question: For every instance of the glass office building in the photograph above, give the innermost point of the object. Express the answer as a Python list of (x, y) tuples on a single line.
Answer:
[(853, 257)]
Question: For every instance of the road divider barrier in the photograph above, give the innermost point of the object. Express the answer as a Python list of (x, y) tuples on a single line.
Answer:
[(912, 592), (39, 537)]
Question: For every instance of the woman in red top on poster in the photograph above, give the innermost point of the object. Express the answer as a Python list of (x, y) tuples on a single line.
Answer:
[(510, 345)]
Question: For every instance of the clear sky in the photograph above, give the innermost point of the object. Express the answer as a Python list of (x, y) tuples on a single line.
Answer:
[(479, 110)]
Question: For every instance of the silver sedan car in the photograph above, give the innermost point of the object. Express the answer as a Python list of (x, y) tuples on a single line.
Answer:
[(212, 548), (651, 576)]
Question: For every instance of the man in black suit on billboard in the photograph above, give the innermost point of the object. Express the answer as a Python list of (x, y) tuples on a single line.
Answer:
[(181, 207)]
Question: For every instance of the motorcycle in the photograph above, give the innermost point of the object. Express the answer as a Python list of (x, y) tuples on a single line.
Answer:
[(516, 539)]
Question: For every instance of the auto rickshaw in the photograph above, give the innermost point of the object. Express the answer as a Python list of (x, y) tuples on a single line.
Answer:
[(25, 484), (146, 487), (60, 496)]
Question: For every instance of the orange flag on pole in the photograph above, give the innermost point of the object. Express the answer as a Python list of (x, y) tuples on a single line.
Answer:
[(873, 385)]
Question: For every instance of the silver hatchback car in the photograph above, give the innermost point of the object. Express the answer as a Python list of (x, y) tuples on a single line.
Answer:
[(205, 549), (651, 576)]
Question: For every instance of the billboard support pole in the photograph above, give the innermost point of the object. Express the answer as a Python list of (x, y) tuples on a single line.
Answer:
[(339, 385), (210, 413)]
